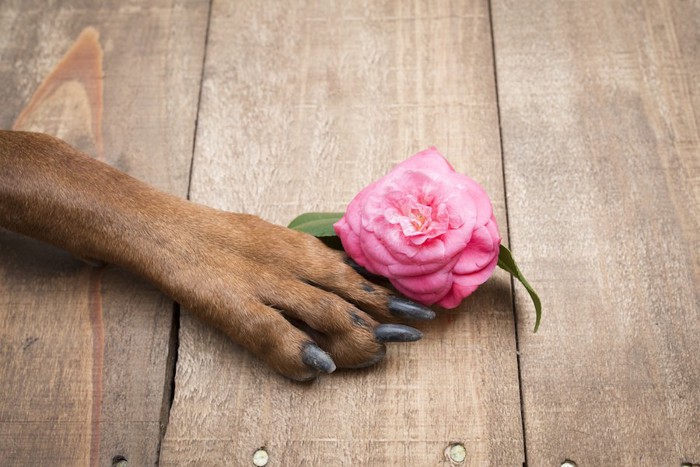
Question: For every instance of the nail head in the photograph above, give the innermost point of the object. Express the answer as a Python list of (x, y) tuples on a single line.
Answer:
[(568, 463), (457, 452), (260, 458)]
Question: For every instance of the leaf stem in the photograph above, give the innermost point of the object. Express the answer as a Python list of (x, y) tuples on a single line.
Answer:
[(507, 263)]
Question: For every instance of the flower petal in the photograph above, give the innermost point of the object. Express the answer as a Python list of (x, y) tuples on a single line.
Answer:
[(377, 256), (481, 199), (350, 241), (426, 289), (479, 252), (478, 277), (419, 269), (456, 295)]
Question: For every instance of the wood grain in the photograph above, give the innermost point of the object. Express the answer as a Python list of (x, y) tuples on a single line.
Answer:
[(84, 351), (303, 104), (599, 113)]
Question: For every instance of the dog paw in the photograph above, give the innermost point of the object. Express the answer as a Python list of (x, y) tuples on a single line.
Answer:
[(295, 303)]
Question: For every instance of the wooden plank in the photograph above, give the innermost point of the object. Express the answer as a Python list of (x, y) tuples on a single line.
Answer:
[(84, 351), (304, 104), (600, 133)]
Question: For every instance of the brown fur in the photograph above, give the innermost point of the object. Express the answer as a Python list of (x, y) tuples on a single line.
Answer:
[(235, 271)]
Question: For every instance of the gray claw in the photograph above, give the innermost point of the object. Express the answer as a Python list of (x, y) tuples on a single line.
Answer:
[(314, 357), (396, 333), (403, 308)]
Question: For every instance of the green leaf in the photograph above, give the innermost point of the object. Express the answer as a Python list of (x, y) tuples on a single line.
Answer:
[(507, 263), (318, 224)]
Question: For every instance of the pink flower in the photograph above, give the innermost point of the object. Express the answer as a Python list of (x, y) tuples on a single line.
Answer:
[(428, 229)]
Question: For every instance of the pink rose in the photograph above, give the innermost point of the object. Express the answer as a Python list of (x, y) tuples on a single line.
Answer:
[(428, 229)]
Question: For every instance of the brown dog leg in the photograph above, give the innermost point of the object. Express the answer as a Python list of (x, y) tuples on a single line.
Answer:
[(282, 294)]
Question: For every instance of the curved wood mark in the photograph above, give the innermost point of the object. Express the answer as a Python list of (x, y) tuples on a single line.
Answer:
[(69, 104), (73, 87)]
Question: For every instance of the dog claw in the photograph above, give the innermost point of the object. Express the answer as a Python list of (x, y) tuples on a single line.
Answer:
[(396, 333), (314, 357), (403, 308)]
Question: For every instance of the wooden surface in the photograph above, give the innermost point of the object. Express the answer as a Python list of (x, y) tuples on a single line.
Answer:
[(304, 104), (84, 351), (595, 105), (599, 111)]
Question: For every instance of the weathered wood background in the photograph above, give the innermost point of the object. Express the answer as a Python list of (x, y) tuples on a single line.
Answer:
[(579, 118)]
